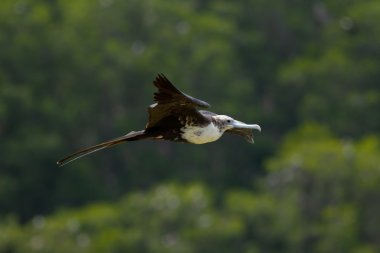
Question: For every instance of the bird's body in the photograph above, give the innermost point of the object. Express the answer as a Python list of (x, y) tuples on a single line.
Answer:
[(201, 135), (177, 117)]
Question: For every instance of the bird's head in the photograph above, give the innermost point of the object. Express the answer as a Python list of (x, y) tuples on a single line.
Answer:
[(226, 123)]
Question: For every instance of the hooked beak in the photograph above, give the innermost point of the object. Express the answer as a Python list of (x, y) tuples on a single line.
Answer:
[(241, 125)]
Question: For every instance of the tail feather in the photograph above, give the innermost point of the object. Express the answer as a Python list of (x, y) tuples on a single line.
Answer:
[(132, 136)]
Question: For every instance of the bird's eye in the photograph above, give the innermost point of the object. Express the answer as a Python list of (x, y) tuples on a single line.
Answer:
[(228, 121)]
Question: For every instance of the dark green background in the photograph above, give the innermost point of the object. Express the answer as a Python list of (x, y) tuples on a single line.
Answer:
[(75, 73)]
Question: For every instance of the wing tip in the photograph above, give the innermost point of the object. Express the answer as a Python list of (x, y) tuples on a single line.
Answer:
[(166, 90), (161, 77)]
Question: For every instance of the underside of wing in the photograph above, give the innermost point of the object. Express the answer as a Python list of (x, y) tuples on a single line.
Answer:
[(168, 93)]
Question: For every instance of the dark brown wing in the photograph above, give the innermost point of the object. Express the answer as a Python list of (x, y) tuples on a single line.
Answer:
[(167, 93), (173, 102)]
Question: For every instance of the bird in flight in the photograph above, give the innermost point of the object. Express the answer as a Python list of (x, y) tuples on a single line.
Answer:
[(177, 117)]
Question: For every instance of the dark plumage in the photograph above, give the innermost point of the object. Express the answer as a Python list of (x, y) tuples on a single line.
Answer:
[(179, 117)]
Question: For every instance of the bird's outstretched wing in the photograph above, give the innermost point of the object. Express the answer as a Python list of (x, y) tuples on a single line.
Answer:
[(170, 101), (167, 93)]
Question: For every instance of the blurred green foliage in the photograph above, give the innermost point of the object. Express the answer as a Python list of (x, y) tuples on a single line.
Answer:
[(300, 206), (74, 73)]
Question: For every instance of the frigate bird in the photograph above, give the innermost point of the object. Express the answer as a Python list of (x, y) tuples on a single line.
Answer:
[(178, 117)]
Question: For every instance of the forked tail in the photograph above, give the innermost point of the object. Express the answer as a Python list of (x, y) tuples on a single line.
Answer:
[(132, 136)]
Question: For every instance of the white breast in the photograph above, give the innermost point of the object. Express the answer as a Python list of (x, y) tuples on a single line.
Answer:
[(201, 135)]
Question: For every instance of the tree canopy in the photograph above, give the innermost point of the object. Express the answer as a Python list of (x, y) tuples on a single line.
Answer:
[(75, 73)]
